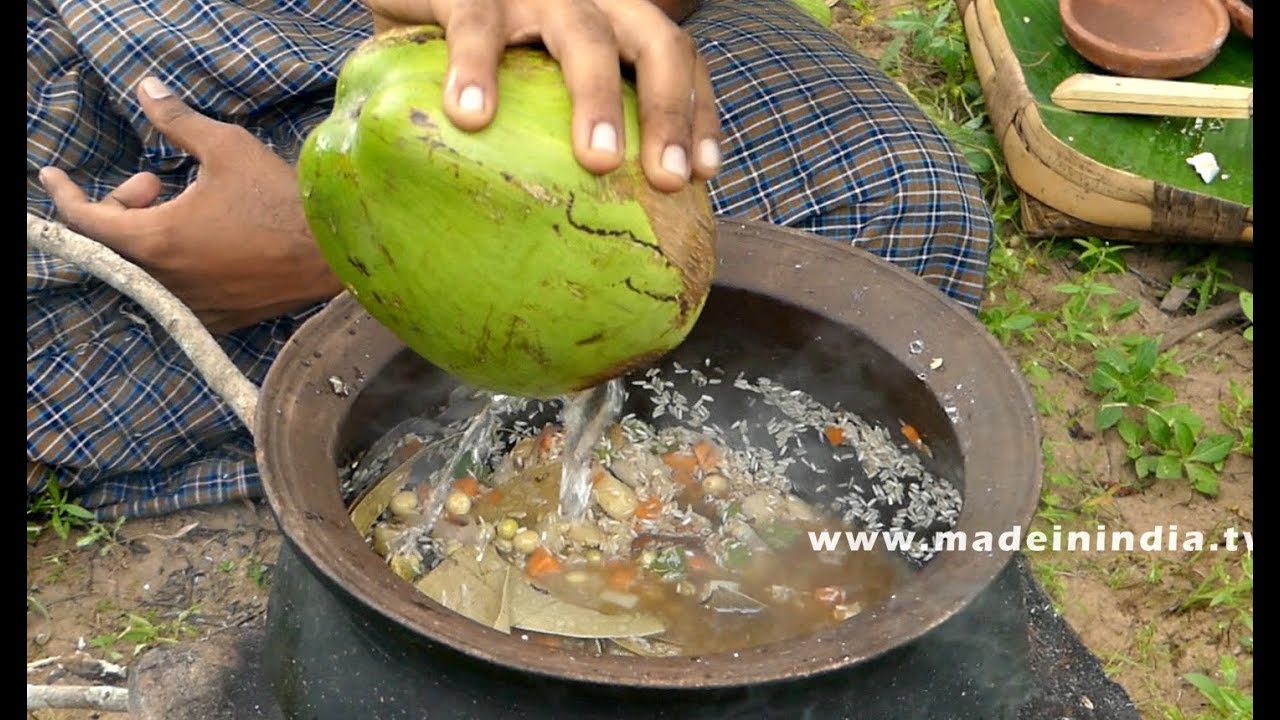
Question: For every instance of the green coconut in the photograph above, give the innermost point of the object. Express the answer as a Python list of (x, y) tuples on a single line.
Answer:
[(494, 254)]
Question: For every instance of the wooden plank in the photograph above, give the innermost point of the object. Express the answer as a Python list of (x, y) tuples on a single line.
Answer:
[(1087, 92)]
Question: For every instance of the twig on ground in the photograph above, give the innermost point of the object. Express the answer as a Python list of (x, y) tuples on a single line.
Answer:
[(1069, 369), (81, 664), (181, 533), (177, 320), (77, 697), (1149, 281), (1209, 349), (1189, 326)]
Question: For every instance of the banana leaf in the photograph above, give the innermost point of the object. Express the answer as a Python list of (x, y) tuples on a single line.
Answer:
[(1155, 148)]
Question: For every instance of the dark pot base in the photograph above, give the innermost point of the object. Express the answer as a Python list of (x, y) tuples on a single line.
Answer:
[(1005, 657)]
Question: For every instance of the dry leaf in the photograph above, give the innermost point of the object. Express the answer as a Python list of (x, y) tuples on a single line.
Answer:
[(477, 588), (647, 647), (534, 610)]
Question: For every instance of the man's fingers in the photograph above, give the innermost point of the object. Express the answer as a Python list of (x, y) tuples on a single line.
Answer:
[(476, 35), (197, 134), (706, 125), (75, 208), (62, 190), (664, 58), (138, 191), (578, 35), (130, 231)]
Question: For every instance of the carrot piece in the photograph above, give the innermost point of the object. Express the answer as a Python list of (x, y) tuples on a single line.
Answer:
[(622, 576), (699, 562), (597, 476), (681, 462), (911, 434), (829, 595), (468, 485), (707, 455), (835, 434), (682, 477), (542, 562), (493, 496), (649, 508)]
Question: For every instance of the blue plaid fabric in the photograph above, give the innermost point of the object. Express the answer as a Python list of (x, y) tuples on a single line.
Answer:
[(816, 138)]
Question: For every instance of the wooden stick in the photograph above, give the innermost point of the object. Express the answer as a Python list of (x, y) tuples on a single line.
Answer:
[(177, 319), (81, 664), (1087, 92), (1189, 326), (77, 697)]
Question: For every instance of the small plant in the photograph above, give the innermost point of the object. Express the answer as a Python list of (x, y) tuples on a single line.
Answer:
[(34, 605), (933, 35), (1171, 446), (1098, 256), (1164, 439), (1086, 316), (1049, 575), (257, 572), (1246, 306), (1228, 702), (1130, 377), (1014, 319), (107, 534), (60, 514), (1053, 508), (1238, 417), (1206, 279), (865, 14), (1219, 589), (146, 631)]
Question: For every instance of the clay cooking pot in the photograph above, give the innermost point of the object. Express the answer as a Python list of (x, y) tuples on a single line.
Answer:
[(1162, 39)]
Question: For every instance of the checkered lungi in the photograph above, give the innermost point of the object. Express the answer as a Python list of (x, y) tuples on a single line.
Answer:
[(816, 138)]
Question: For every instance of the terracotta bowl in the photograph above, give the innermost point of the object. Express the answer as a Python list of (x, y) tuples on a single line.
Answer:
[(1146, 38), (1241, 12)]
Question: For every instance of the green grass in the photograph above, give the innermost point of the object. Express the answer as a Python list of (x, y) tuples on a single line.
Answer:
[(147, 629)]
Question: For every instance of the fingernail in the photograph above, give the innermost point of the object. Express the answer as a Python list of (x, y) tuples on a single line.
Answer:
[(675, 162), (709, 154), (43, 177), (471, 99), (155, 89), (604, 138)]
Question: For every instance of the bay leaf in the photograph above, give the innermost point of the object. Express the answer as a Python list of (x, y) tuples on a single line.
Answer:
[(474, 587), (541, 612), (646, 647)]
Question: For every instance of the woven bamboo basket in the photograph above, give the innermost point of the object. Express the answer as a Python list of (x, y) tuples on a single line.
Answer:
[(1066, 193)]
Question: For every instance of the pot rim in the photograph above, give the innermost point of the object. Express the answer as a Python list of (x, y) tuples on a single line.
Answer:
[(754, 256)]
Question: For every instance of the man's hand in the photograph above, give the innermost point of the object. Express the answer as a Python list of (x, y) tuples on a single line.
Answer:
[(679, 127), (234, 246)]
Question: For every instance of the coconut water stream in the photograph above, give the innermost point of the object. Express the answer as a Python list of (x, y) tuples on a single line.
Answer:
[(586, 416)]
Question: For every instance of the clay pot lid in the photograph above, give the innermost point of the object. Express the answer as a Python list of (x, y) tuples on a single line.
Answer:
[(1146, 38), (1241, 12)]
